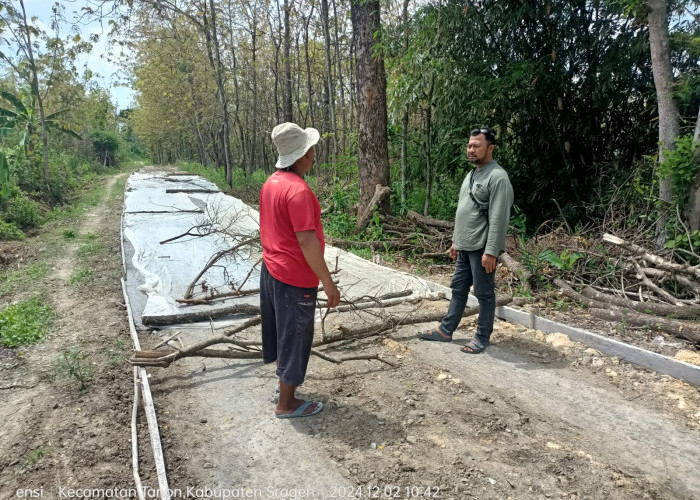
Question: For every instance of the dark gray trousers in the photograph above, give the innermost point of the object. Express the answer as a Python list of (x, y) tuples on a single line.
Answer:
[(468, 272), (287, 326)]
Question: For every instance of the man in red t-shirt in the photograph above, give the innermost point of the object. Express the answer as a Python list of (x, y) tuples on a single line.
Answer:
[(292, 241)]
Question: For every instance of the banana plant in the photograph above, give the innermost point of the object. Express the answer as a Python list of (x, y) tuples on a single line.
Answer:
[(4, 176), (23, 118)]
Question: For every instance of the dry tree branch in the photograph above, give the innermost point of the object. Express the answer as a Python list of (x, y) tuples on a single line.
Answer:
[(655, 259), (332, 359), (215, 258)]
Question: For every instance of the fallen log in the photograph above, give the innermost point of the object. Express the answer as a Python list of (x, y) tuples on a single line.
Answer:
[(516, 268), (192, 190), (677, 312), (380, 193), (397, 244), (569, 292), (429, 221), (655, 323), (193, 317)]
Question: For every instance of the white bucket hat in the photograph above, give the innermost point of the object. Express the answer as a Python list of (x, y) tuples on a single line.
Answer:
[(292, 142)]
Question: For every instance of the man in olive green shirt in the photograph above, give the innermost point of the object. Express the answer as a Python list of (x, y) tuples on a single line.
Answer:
[(481, 224)]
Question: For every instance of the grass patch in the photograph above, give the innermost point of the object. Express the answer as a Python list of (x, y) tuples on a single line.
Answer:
[(89, 249), (117, 352), (25, 323), (89, 197), (81, 275), (69, 234), (118, 188), (32, 457), (10, 280)]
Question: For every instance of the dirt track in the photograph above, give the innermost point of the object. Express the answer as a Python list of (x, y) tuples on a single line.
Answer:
[(530, 419)]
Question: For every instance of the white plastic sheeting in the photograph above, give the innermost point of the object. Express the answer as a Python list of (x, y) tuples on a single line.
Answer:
[(158, 274)]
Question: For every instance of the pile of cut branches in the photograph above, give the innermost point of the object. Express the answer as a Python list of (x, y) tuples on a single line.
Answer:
[(633, 285), (423, 237)]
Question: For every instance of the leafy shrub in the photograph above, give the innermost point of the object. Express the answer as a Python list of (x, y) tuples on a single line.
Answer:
[(25, 323), (20, 210), (681, 166), (8, 231)]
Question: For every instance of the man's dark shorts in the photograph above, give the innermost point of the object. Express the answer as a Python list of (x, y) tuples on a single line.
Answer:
[(287, 326)]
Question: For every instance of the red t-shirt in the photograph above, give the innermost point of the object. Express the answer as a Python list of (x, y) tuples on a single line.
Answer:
[(287, 206)]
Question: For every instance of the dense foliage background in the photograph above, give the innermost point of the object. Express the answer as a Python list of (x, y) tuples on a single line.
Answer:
[(567, 85)]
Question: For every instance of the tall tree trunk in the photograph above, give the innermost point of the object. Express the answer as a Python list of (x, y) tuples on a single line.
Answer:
[(254, 71), (404, 119), (197, 123), (276, 68), (221, 94), (39, 100), (236, 90), (669, 122), (288, 117), (428, 146), (330, 88), (694, 200), (353, 82), (302, 115), (339, 71), (373, 154), (309, 83)]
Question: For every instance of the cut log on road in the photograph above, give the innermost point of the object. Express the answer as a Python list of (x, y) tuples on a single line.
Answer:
[(192, 317), (655, 323), (192, 190)]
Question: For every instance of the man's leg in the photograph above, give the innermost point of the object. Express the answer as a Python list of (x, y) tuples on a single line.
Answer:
[(267, 315), (461, 283), (295, 327), (484, 290)]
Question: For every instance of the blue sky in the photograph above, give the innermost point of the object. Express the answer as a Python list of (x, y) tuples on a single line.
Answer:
[(106, 73)]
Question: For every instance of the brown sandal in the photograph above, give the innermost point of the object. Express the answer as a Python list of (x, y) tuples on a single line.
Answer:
[(436, 335), (473, 347)]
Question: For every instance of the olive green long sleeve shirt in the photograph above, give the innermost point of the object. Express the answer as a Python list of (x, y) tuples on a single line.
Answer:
[(474, 231)]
